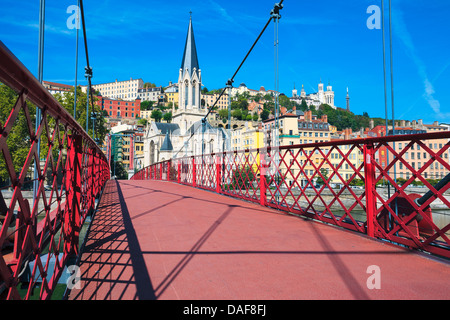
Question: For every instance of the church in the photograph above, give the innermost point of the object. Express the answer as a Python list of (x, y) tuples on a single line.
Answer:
[(317, 98), (186, 135)]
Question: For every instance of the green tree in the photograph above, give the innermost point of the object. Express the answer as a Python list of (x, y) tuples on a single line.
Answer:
[(147, 105), (223, 114), (168, 117), (285, 101), (265, 114), (258, 97), (243, 177), (157, 115), (118, 169), (324, 173), (149, 85), (66, 100), (268, 97), (237, 114), (304, 105), (143, 121), (18, 139), (357, 182)]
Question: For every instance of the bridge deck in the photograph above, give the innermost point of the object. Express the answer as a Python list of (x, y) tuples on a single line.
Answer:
[(160, 240)]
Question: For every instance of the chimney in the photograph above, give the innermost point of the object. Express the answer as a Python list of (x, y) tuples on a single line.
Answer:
[(324, 118), (308, 115), (347, 133), (371, 125)]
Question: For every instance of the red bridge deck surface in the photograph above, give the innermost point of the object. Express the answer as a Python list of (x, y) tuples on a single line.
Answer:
[(160, 240)]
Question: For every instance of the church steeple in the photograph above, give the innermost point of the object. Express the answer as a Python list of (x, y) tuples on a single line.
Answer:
[(190, 59), (190, 109)]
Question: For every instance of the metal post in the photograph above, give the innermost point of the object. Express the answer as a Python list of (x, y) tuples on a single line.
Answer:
[(168, 170), (229, 86), (194, 173), (218, 175), (262, 180), (88, 75), (369, 171), (40, 78)]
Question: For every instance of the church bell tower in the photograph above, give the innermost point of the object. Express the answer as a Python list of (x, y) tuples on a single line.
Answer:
[(189, 86)]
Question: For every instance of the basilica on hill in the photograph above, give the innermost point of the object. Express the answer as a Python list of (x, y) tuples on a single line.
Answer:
[(186, 135)]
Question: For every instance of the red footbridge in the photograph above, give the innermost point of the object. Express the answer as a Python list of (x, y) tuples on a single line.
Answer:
[(241, 225)]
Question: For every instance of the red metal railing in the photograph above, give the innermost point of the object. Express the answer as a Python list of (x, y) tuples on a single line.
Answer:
[(39, 234), (369, 185)]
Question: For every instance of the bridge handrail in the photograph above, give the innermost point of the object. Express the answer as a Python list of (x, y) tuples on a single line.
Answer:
[(38, 238), (16, 76)]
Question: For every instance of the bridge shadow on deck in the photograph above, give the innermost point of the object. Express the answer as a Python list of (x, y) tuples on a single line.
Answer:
[(112, 262)]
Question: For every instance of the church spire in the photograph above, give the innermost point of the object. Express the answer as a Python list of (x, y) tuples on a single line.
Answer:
[(190, 59)]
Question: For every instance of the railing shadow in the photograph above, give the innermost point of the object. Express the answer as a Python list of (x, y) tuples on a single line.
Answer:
[(112, 263)]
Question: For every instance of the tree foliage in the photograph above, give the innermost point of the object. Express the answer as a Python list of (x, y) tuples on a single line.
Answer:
[(157, 115), (168, 117), (343, 119), (18, 139), (67, 101)]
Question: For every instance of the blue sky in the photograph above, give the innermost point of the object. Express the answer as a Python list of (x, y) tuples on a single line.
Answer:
[(326, 40)]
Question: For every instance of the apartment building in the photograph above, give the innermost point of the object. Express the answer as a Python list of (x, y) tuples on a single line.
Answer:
[(54, 87), (120, 108), (210, 99), (123, 90), (415, 155), (247, 137), (130, 139), (299, 129), (172, 96), (150, 94)]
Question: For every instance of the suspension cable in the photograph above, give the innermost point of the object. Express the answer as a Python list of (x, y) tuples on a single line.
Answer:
[(77, 25), (277, 7), (88, 69)]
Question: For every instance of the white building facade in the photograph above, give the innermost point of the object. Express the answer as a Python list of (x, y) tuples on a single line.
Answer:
[(121, 90)]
